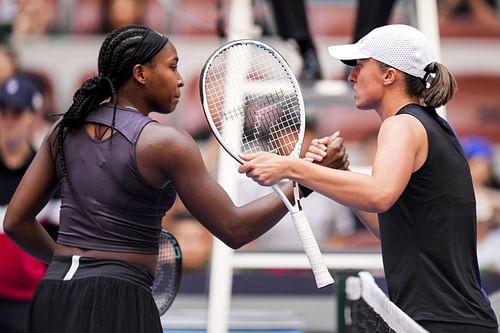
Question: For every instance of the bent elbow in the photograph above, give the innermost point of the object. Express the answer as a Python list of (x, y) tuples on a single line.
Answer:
[(382, 202), (235, 243), (231, 239), (381, 207), (8, 227), (239, 238), (12, 223)]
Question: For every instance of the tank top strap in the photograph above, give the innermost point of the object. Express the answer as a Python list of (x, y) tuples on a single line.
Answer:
[(129, 122), (429, 117)]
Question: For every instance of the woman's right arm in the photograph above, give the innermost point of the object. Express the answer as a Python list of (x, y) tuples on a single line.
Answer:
[(32, 193), (178, 155)]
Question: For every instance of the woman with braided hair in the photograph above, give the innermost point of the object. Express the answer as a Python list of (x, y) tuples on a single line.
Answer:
[(119, 172)]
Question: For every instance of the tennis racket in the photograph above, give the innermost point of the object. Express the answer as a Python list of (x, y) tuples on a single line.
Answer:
[(168, 272), (253, 103)]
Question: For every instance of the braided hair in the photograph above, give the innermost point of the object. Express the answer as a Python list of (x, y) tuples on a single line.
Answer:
[(114, 69)]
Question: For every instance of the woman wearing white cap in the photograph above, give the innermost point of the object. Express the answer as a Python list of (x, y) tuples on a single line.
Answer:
[(419, 198)]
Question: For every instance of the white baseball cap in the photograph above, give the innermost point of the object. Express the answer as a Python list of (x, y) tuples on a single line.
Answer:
[(397, 45)]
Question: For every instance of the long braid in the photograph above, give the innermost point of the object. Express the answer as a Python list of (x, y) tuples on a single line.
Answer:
[(113, 56)]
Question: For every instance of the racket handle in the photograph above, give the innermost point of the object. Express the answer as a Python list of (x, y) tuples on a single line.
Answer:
[(321, 274)]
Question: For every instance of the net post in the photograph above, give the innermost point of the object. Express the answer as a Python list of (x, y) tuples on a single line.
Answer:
[(341, 303)]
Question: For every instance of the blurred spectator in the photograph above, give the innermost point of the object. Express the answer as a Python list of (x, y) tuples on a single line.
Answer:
[(118, 13), (8, 63), (44, 116), (7, 14), (481, 11), (34, 18), (101, 16), (480, 155), (292, 23), (194, 239), (20, 100), (370, 14)]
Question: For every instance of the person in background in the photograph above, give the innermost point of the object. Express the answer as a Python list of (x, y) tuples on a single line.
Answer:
[(480, 155), (482, 12), (8, 63), (292, 23), (20, 100), (370, 14), (119, 13), (44, 119), (419, 197), (34, 19)]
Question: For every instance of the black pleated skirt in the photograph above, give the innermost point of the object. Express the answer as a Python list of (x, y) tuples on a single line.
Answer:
[(98, 297)]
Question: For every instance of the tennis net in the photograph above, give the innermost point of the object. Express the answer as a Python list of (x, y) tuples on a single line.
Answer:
[(372, 311)]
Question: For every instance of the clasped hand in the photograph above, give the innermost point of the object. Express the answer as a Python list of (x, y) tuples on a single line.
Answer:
[(268, 169)]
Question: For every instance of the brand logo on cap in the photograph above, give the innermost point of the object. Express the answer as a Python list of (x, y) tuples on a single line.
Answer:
[(12, 86)]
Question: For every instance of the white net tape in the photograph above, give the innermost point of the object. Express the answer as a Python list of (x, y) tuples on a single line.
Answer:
[(364, 287)]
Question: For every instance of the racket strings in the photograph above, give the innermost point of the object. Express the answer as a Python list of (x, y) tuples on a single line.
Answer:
[(259, 110)]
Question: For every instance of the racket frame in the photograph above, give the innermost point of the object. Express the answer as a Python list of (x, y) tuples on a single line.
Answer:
[(169, 237), (321, 274), (284, 63)]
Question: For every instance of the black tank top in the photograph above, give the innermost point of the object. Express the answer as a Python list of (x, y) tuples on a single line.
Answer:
[(429, 236), (116, 210)]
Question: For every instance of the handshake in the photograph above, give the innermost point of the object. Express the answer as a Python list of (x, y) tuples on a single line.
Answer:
[(268, 169), (328, 151)]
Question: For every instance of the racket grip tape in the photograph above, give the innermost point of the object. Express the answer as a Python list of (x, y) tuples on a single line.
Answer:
[(321, 274)]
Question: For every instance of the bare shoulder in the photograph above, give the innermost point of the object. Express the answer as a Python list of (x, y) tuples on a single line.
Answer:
[(167, 148), (166, 138), (400, 120), (405, 136), (402, 125)]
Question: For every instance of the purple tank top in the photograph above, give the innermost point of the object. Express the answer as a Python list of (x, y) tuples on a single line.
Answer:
[(117, 210)]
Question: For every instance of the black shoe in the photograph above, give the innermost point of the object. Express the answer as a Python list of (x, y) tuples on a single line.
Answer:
[(311, 70)]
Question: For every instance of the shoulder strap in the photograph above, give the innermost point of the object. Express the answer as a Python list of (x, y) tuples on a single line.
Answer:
[(423, 113), (129, 122)]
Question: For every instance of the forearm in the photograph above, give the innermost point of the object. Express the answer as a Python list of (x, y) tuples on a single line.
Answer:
[(260, 215), (32, 238), (233, 225), (352, 189)]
